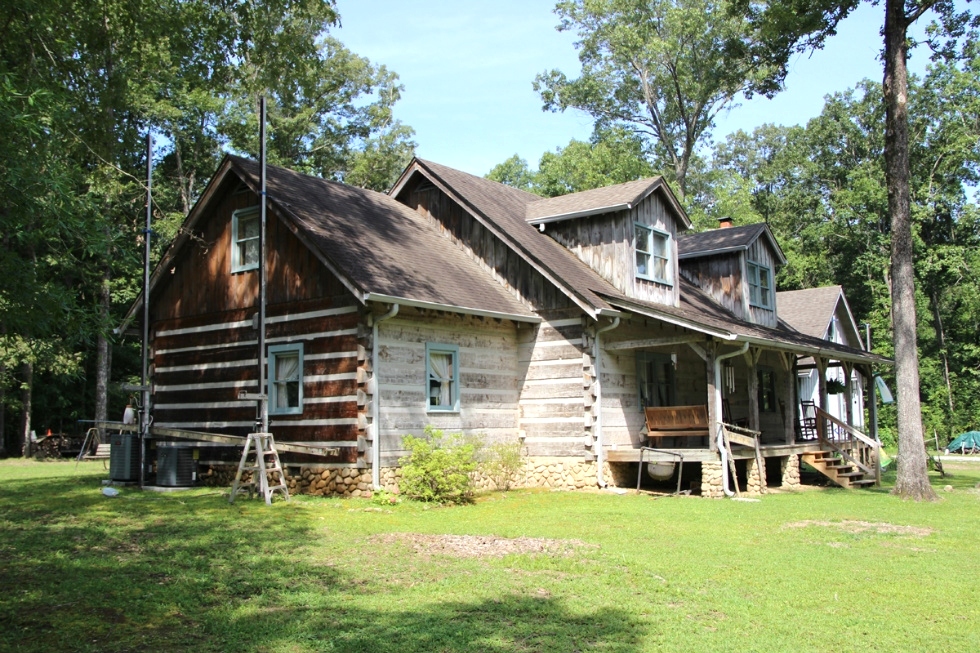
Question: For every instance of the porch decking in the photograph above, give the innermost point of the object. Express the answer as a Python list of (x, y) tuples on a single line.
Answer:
[(696, 455)]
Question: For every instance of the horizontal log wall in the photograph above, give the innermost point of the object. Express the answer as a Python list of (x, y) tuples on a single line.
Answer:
[(557, 386), (198, 372), (204, 346), (607, 243), (488, 378)]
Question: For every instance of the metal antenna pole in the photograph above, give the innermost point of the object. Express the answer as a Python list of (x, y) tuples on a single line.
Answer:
[(144, 372), (263, 393)]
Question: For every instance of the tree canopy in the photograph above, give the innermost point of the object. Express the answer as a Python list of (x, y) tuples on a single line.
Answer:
[(663, 69)]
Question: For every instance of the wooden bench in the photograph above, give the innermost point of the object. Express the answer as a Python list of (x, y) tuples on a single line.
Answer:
[(676, 421), (102, 452)]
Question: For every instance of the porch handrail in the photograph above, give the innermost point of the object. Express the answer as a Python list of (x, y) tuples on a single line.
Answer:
[(823, 417), (821, 413)]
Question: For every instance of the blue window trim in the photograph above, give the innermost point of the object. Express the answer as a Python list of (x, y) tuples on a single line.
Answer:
[(667, 244), (274, 352), (236, 264), (757, 278), (437, 348)]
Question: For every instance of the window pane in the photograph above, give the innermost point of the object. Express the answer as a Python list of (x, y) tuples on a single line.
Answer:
[(643, 239), (660, 245), (660, 268), (248, 227), (248, 252), (442, 390), (642, 263)]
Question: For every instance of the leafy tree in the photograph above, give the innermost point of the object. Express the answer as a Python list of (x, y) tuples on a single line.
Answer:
[(610, 157), (663, 69), (784, 27), (192, 70)]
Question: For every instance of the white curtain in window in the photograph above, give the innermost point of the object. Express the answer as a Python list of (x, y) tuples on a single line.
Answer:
[(287, 369), (441, 365)]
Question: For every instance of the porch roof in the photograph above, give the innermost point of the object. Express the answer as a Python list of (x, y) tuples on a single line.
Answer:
[(701, 314)]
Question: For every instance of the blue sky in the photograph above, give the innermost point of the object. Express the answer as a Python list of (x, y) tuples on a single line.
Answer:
[(467, 67)]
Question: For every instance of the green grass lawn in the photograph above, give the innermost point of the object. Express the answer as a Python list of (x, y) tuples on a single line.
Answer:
[(189, 572)]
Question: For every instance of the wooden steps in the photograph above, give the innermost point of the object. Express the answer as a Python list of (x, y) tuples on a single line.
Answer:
[(838, 470)]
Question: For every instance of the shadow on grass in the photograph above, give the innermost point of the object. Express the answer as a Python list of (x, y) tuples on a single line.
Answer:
[(189, 572), (508, 624)]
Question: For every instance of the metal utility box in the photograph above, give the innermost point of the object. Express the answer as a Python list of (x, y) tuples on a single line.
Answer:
[(176, 464), (124, 457)]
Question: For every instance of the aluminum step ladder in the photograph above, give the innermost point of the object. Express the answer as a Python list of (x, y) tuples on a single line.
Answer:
[(262, 446)]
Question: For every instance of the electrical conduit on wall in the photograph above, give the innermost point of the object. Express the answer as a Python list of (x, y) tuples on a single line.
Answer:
[(717, 399), (597, 405)]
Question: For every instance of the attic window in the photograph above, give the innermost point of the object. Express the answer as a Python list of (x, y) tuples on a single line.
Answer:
[(652, 254), (760, 285), (245, 239)]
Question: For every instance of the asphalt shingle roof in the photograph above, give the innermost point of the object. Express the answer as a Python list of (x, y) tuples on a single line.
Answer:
[(809, 311), (694, 244), (592, 201)]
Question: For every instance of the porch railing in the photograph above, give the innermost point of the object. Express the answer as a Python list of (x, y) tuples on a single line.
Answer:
[(852, 445)]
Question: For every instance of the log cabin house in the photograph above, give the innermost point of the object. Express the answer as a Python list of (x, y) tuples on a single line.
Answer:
[(461, 303)]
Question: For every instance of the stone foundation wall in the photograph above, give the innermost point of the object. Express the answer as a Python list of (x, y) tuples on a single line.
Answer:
[(756, 484), (711, 483), (790, 469), (554, 473)]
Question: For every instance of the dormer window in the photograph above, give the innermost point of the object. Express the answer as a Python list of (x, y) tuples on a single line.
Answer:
[(245, 240), (760, 285), (652, 254)]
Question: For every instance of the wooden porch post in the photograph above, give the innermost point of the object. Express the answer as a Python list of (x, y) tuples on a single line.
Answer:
[(788, 361), (821, 380), (751, 360), (711, 351), (871, 402), (848, 369)]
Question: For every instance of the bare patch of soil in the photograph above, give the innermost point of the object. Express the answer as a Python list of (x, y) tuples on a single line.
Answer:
[(853, 526), (481, 546)]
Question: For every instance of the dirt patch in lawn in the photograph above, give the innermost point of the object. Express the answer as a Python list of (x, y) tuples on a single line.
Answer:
[(481, 546), (853, 526)]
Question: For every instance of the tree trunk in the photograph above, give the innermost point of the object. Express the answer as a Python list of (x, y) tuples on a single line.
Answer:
[(102, 355), (944, 352), (913, 479), (27, 371)]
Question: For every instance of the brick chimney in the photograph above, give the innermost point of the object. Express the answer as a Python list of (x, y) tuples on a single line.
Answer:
[(724, 223)]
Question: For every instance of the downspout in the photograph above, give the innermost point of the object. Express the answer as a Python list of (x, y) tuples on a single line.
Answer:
[(597, 405), (376, 400), (720, 439)]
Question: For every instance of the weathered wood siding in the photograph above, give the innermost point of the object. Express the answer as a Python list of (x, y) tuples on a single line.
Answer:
[(722, 278), (488, 378), (506, 265), (204, 349), (760, 252), (622, 417), (607, 244)]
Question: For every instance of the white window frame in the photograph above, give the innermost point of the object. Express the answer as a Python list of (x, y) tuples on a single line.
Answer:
[(430, 377), (275, 352), (756, 272), (649, 234), (236, 251)]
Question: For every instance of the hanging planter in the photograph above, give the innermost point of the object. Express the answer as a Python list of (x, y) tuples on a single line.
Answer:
[(835, 387)]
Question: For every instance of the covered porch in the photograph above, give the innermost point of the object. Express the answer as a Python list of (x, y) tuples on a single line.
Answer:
[(742, 402)]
